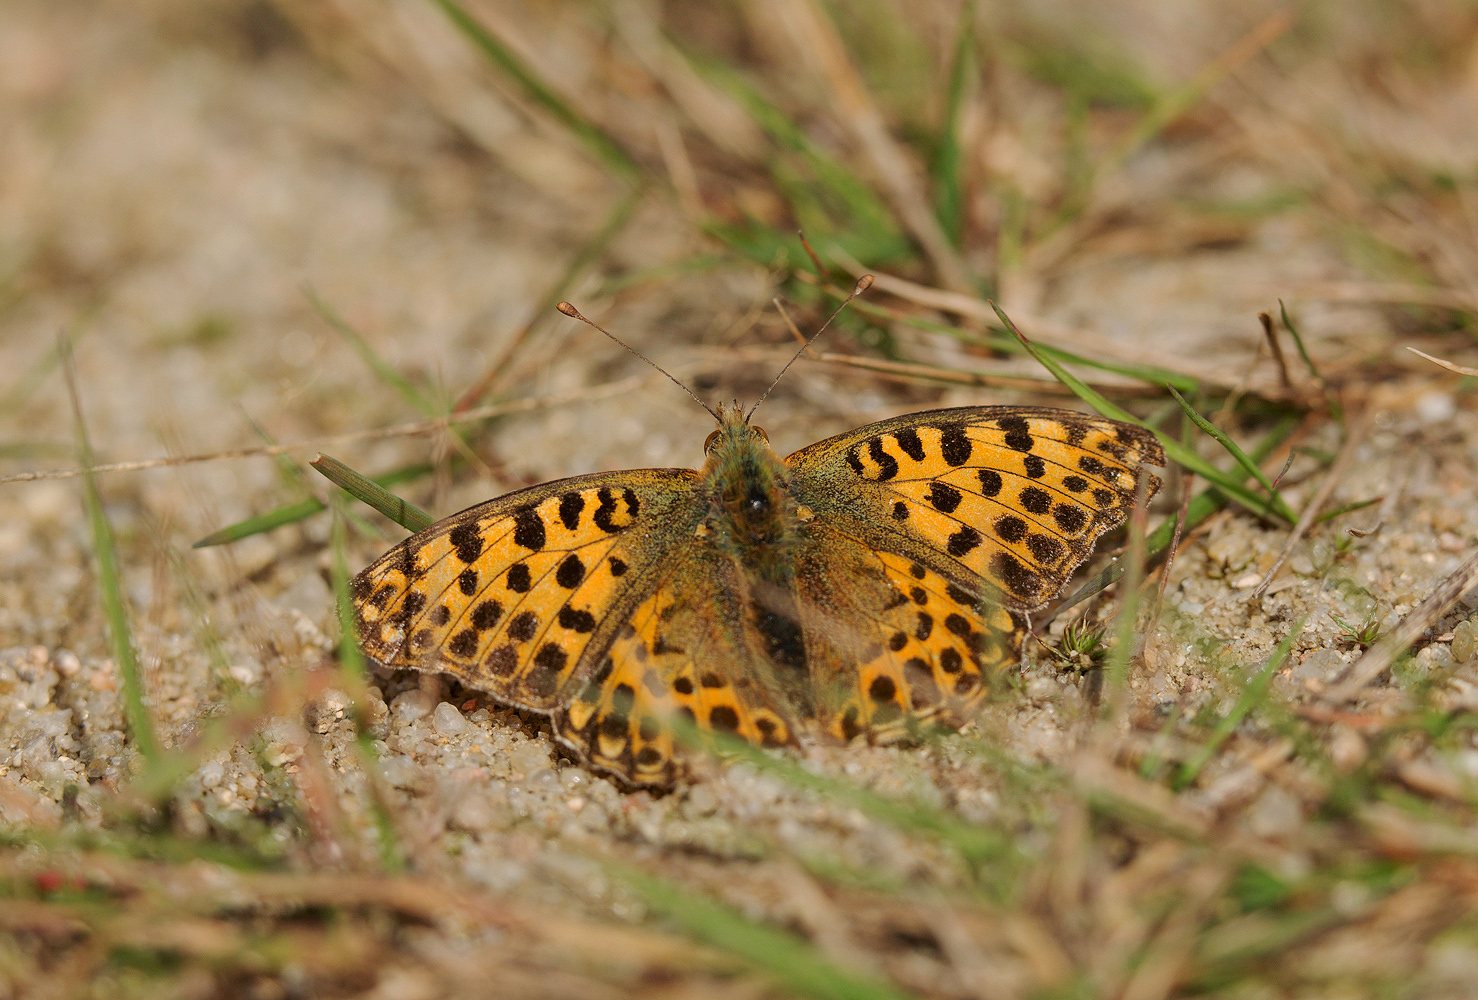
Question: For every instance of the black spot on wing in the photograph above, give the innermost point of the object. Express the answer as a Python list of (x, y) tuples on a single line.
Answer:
[(954, 446), (887, 464), (1047, 550), (1010, 528), (465, 539), (962, 541), (571, 571), (570, 506), (908, 441), (486, 615), (519, 578), (1070, 518), (463, 644), (528, 528), (1018, 433), (467, 581), (1035, 499), (523, 626), (990, 482), (576, 621), (604, 509), (944, 497), (1018, 579)]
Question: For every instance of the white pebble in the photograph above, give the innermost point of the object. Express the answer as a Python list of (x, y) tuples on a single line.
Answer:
[(1436, 408), (447, 721), (212, 773), (412, 705)]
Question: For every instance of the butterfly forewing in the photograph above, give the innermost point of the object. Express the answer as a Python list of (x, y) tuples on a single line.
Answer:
[(971, 517), (515, 595), (1015, 495)]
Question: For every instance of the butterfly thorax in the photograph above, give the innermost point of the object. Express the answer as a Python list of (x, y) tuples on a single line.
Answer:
[(751, 515)]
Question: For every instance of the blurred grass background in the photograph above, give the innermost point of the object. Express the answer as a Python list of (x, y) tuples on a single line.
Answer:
[(268, 228)]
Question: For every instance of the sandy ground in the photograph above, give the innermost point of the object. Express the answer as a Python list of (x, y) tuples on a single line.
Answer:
[(174, 177)]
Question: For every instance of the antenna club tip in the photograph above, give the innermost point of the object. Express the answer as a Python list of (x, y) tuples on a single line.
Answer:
[(568, 310), (863, 284)]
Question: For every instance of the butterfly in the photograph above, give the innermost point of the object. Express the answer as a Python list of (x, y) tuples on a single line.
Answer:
[(860, 587)]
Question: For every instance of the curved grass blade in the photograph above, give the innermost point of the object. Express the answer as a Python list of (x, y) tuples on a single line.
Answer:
[(1178, 452), (303, 509), (365, 490), (788, 960), (601, 144), (1236, 452)]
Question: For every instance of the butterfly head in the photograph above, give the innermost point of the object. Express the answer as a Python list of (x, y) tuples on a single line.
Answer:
[(746, 483)]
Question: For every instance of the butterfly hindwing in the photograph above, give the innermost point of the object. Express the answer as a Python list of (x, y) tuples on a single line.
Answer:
[(684, 653), (510, 596)]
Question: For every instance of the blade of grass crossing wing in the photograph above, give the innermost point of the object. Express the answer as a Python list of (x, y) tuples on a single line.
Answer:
[(402, 512), (1236, 452), (353, 669), (1185, 456), (1126, 623), (1252, 695), (601, 144), (303, 509), (1202, 506), (110, 584)]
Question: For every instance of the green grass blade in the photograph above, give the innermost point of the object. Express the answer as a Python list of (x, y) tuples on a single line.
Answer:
[(1202, 506), (1348, 508), (1253, 694), (355, 672), (1178, 452), (600, 143), (110, 584), (791, 962), (365, 490), (1001, 339), (976, 844), (302, 510), (387, 373), (1237, 453), (947, 168), (831, 202), (1298, 342)]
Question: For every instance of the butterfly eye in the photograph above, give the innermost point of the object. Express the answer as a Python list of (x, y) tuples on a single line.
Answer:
[(708, 443), (761, 432)]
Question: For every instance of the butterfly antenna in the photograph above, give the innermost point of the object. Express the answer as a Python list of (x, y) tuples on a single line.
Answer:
[(574, 313), (863, 284)]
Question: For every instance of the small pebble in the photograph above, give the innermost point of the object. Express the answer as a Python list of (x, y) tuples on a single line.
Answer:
[(1462, 642), (412, 705), (447, 721)]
